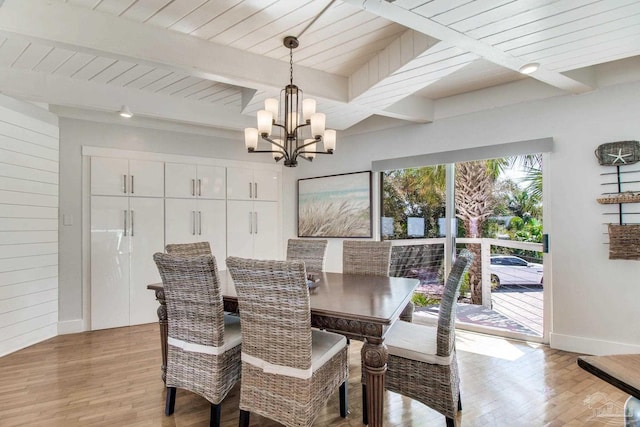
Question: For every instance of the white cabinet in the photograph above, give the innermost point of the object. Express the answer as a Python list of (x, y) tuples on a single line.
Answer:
[(125, 233), (252, 184), (252, 229), (194, 181), (189, 221), (123, 177)]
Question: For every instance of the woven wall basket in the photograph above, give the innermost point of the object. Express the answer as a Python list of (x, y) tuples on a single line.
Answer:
[(618, 153), (624, 241), (626, 197)]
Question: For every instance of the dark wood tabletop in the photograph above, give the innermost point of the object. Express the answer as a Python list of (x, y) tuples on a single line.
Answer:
[(375, 299), (622, 370)]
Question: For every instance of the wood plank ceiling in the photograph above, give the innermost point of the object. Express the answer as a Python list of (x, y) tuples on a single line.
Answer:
[(358, 59)]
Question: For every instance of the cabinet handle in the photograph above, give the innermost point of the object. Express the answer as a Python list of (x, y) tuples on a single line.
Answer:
[(193, 187), (125, 185), (199, 187), (125, 222), (199, 222), (250, 192), (132, 184), (255, 190), (193, 222), (132, 226), (250, 223), (255, 214)]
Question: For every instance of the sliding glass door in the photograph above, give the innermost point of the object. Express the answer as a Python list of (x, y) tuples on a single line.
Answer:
[(491, 207)]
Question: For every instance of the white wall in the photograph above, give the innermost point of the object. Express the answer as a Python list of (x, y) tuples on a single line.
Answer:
[(595, 300), (28, 224)]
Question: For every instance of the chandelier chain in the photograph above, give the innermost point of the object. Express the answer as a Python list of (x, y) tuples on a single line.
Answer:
[(291, 65)]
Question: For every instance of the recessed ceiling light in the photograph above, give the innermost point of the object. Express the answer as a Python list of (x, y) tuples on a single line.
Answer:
[(529, 68), (125, 112)]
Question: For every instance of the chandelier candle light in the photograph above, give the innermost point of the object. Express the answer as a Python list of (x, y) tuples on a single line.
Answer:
[(289, 143)]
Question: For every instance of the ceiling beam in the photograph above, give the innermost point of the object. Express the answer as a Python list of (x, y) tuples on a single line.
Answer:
[(65, 91), (63, 25), (441, 32)]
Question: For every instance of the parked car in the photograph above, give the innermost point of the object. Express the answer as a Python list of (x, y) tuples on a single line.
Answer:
[(512, 270)]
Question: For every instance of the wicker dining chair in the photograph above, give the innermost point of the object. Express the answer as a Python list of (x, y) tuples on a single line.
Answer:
[(203, 344), (312, 252), (372, 258), (289, 370), (189, 249), (422, 361)]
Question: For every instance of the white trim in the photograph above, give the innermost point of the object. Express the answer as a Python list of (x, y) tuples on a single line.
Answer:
[(66, 327), (88, 150), (270, 368), (197, 348), (590, 345), (532, 146)]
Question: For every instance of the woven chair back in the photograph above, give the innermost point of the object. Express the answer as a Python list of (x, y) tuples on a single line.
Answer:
[(447, 312), (275, 312), (194, 302), (189, 249), (312, 252), (366, 257)]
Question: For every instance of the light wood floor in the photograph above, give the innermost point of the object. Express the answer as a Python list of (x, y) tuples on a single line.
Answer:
[(112, 377)]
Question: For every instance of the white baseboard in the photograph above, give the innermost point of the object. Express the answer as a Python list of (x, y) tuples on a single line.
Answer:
[(590, 345), (70, 327)]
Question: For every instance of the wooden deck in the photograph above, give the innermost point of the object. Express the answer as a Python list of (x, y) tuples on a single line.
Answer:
[(523, 304)]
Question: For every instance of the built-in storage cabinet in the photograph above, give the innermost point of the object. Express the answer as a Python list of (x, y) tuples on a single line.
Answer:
[(250, 184), (125, 233), (189, 221), (194, 181), (123, 177), (252, 229), (139, 206)]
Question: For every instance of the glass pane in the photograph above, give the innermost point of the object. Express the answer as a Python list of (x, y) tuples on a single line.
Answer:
[(413, 203)]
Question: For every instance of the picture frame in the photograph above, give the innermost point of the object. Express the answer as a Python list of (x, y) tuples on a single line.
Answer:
[(335, 206)]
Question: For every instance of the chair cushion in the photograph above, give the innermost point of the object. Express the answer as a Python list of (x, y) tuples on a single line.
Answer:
[(324, 346), (232, 332), (415, 342), (232, 338)]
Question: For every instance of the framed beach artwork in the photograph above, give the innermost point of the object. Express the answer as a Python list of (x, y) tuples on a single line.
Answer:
[(335, 205)]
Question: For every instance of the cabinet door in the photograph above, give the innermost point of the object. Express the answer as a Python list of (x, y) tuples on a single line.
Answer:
[(109, 262), (146, 225), (212, 227), (240, 228), (109, 177), (146, 178), (239, 184), (180, 180), (266, 184), (181, 221), (265, 230), (211, 182)]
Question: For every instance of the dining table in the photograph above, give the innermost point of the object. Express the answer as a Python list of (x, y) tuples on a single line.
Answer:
[(620, 370), (360, 307)]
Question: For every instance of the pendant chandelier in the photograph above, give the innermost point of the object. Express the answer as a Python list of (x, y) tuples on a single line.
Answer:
[(297, 115)]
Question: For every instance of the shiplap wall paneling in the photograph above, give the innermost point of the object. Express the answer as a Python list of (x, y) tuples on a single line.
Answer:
[(28, 229)]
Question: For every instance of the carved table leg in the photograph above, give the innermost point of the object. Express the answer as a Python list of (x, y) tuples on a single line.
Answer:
[(374, 360), (164, 331)]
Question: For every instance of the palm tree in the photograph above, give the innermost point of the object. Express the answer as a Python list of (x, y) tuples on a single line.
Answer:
[(474, 204)]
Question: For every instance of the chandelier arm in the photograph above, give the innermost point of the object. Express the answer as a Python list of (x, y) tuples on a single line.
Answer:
[(301, 126), (283, 151), (299, 149)]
